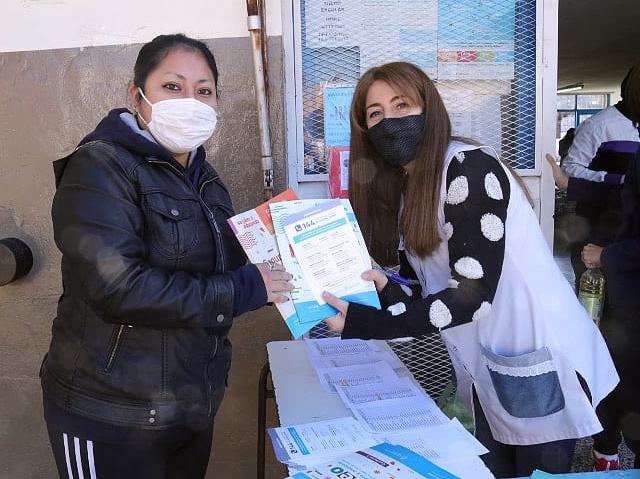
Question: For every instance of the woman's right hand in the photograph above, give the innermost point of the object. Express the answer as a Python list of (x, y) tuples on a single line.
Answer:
[(276, 281), (591, 255), (561, 180), (336, 323)]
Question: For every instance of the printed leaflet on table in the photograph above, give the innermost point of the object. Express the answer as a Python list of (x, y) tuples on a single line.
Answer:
[(383, 461), (336, 352), (306, 445), (390, 410)]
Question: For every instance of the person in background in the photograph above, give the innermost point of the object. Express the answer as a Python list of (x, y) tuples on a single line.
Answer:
[(314, 149), (619, 260), (565, 143), (152, 279), (457, 218), (601, 150)]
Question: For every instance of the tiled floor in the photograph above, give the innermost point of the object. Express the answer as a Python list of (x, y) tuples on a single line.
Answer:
[(582, 460)]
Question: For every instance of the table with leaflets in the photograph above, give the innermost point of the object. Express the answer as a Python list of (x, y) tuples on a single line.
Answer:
[(302, 398)]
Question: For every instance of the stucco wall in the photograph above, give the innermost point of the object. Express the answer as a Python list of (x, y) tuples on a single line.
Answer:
[(30, 25), (50, 99)]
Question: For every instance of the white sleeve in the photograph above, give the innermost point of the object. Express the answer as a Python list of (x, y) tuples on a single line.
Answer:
[(582, 151)]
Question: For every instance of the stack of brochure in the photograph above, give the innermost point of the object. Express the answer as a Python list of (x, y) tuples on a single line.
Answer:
[(307, 445), (385, 460), (388, 406), (320, 243)]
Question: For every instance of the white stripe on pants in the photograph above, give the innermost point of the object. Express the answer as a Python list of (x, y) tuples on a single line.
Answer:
[(78, 458)]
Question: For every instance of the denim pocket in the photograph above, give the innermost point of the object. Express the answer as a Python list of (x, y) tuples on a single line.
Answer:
[(528, 385)]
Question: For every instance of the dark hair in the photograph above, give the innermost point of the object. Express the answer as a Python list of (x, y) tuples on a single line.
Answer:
[(630, 93), (623, 84), (153, 53), (375, 187)]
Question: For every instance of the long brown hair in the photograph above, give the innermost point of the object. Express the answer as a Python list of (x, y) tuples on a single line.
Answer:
[(376, 188)]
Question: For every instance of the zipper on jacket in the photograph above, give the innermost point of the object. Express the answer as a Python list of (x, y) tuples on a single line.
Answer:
[(206, 372), (115, 347), (218, 234), (165, 162), (216, 229)]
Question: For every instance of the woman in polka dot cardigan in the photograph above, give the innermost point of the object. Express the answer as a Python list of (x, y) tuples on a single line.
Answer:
[(529, 361)]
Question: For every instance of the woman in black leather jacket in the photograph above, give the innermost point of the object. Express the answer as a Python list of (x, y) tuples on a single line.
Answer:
[(152, 279)]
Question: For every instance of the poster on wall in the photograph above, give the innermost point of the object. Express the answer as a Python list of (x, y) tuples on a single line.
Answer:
[(468, 48), (337, 105), (332, 23), (476, 39), (449, 39), (338, 171), (477, 115), (411, 36)]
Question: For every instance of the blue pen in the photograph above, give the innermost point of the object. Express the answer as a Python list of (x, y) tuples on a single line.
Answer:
[(395, 277)]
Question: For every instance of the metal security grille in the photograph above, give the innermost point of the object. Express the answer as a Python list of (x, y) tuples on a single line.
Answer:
[(426, 357), (480, 53)]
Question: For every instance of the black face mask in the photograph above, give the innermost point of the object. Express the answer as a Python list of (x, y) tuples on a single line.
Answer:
[(397, 139)]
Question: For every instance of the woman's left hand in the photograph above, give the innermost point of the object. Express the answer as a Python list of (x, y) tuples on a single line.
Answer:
[(336, 322), (377, 276)]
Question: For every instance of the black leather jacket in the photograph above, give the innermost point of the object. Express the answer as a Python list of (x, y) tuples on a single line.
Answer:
[(151, 274)]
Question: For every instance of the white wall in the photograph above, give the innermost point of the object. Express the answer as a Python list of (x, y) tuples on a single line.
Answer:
[(50, 24)]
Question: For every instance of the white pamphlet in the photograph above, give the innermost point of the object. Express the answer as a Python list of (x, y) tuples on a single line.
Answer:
[(365, 393), (403, 414), (304, 445), (328, 251), (379, 372)]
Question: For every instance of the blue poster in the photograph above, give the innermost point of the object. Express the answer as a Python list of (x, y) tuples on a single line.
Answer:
[(337, 105)]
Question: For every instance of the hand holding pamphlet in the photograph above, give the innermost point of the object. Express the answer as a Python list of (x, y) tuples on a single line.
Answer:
[(254, 231), (319, 242), (327, 249)]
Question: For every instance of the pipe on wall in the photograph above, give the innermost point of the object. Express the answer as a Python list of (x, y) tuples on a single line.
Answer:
[(258, 45)]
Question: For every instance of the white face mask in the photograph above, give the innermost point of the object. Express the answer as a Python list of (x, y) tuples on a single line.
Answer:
[(180, 124)]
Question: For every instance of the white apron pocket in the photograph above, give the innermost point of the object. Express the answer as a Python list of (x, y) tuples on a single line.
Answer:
[(527, 386)]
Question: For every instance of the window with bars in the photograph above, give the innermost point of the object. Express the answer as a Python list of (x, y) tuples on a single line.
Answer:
[(480, 53), (575, 108)]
